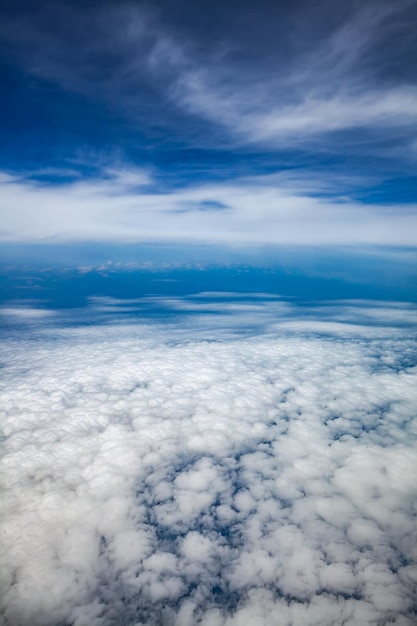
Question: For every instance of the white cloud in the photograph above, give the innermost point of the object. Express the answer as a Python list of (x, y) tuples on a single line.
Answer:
[(153, 477), (25, 312), (330, 86), (300, 97), (276, 209), (291, 123)]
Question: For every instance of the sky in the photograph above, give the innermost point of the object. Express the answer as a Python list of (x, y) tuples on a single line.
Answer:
[(215, 124), (208, 312)]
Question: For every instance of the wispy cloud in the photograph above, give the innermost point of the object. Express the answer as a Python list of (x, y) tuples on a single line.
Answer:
[(338, 91), (335, 81), (127, 205), (334, 86)]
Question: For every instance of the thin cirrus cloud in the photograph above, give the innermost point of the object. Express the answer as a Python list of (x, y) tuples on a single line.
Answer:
[(134, 58), (331, 86), (131, 497)]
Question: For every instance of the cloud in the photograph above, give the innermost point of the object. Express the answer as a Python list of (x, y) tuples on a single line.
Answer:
[(125, 205), (154, 477), (25, 312), (327, 85), (297, 122), (228, 315), (332, 85), (350, 69)]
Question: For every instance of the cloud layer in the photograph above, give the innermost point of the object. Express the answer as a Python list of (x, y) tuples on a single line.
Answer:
[(127, 205), (157, 476)]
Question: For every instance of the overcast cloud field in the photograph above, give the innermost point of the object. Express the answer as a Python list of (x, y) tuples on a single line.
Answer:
[(208, 313)]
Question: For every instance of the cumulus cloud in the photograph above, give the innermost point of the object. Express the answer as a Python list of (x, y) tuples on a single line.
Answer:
[(153, 475)]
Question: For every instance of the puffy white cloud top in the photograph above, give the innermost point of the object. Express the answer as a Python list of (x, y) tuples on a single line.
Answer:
[(152, 477)]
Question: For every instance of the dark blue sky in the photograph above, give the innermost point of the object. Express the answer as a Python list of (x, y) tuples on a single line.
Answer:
[(217, 123)]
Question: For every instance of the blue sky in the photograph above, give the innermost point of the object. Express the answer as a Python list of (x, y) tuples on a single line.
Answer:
[(184, 124)]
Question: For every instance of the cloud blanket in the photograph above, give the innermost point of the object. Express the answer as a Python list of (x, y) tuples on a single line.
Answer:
[(154, 476)]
